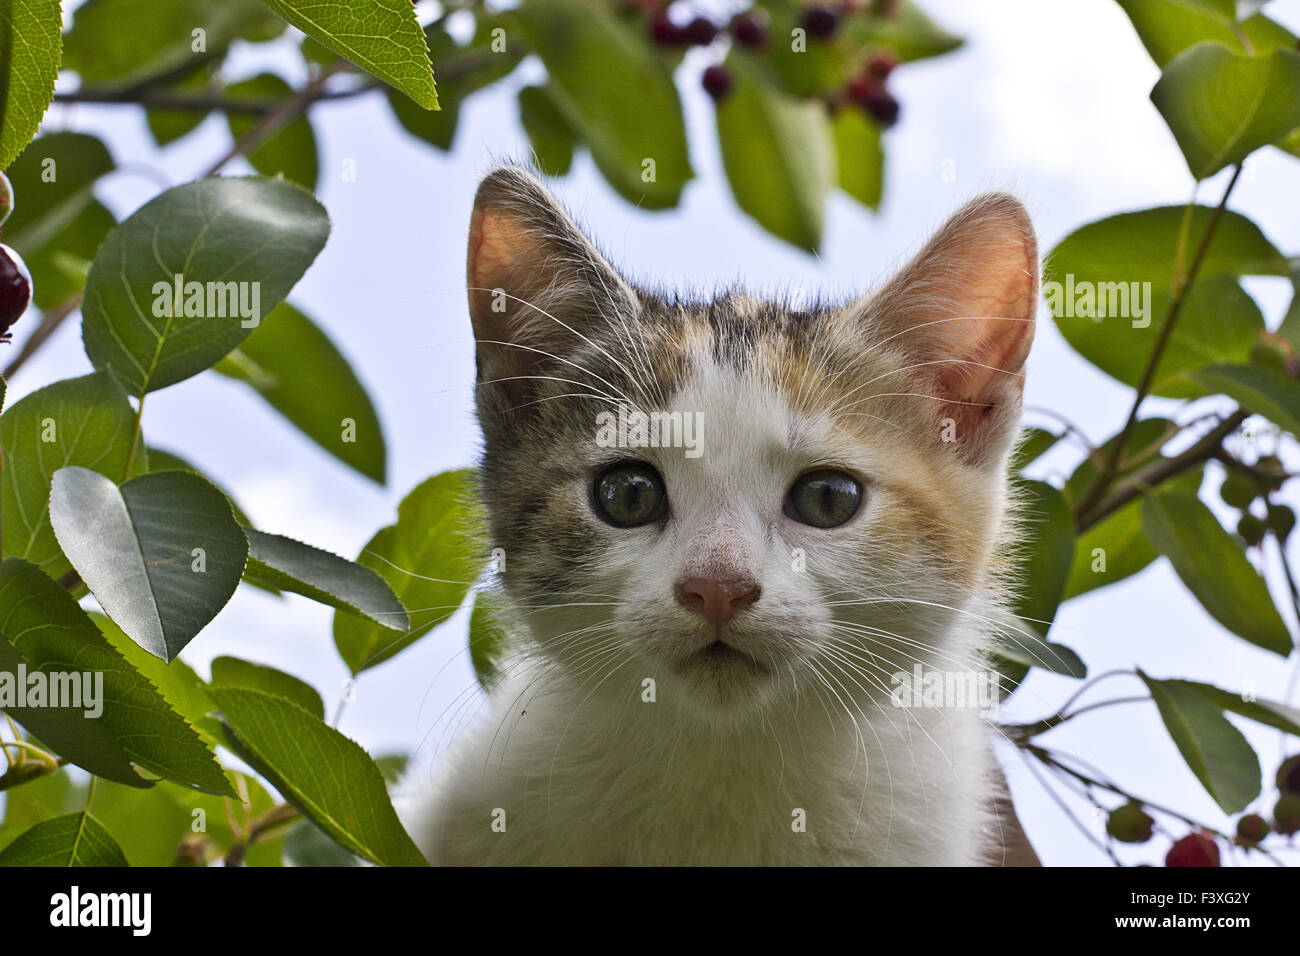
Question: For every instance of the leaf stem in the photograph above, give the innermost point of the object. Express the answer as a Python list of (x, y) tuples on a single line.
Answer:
[(275, 817), (135, 440)]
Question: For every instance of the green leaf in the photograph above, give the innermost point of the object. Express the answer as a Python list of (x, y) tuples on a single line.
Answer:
[(1215, 750), (1167, 27), (548, 131), (56, 212), (1270, 713), (77, 839), (184, 690), (1043, 565), (1222, 106), (294, 366), (1142, 447), (84, 421), (330, 779), (910, 33), (1033, 444), (821, 65), (616, 93), (779, 155), (1107, 264), (1117, 547), (860, 157), (43, 798), (382, 37), (169, 125), (291, 152), (224, 237), (487, 640), (290, 565), (308, 845), (1212, 566), (45, 629), (817, 65), (115, 44), (429, 560), (149, 825), (30, 44), (1263, 391), (162, 554), (482, 62), (1024, 649), (1041, 569), (160, 460), (233, 672)]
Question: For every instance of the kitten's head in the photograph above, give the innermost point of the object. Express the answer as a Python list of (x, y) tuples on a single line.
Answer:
[(738, 498)]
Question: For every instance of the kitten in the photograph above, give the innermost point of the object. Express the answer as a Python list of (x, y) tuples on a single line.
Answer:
[(706, 640)]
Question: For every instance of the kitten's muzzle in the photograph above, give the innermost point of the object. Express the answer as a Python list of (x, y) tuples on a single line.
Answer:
[(718, 600)]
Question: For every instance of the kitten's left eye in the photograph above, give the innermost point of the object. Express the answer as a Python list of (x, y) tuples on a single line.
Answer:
[(824, 499), (630, 495)]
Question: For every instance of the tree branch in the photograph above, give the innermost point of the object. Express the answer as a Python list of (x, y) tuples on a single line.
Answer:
[(1134, 485)]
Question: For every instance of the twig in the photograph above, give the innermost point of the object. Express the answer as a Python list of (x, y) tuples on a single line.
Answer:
[(281, 116), (1182, 286), (1134, 485), (275, 817), (50, 323)]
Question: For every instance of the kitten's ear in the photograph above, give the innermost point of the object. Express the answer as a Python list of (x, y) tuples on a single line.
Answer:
[(534, 283), (962, 312)]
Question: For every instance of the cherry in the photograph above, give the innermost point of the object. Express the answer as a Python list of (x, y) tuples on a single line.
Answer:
[(821, 22), (1238, 490), (15, 289), (6, 198), (1130, 824), (1251, 829), (700, 32), (1270, 467), (884, 108), (664, 32), (1288, 775), (750, 29), (1281, 521), (1251, 529), (1286, 814), (718, 81), (881, 64), (863, 88), (1195, 849)]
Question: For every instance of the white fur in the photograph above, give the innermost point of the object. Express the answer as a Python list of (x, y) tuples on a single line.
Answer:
[(582, 770)]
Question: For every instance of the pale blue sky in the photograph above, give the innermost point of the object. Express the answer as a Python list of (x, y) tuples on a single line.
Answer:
[(1046, 99)]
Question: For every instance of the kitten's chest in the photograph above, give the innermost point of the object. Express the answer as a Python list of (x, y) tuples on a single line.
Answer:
[(655, 799)]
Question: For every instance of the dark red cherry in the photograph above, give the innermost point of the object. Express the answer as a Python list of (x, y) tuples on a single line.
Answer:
[(15, 289)]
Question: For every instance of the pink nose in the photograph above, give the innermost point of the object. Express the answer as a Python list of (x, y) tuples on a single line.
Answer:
[(717, 600)]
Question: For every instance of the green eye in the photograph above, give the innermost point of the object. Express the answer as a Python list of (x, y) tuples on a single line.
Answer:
[(630, 495), (824, 499)]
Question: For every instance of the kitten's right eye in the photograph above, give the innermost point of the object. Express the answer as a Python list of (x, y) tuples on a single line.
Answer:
[(630, 495), (824, 499)]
